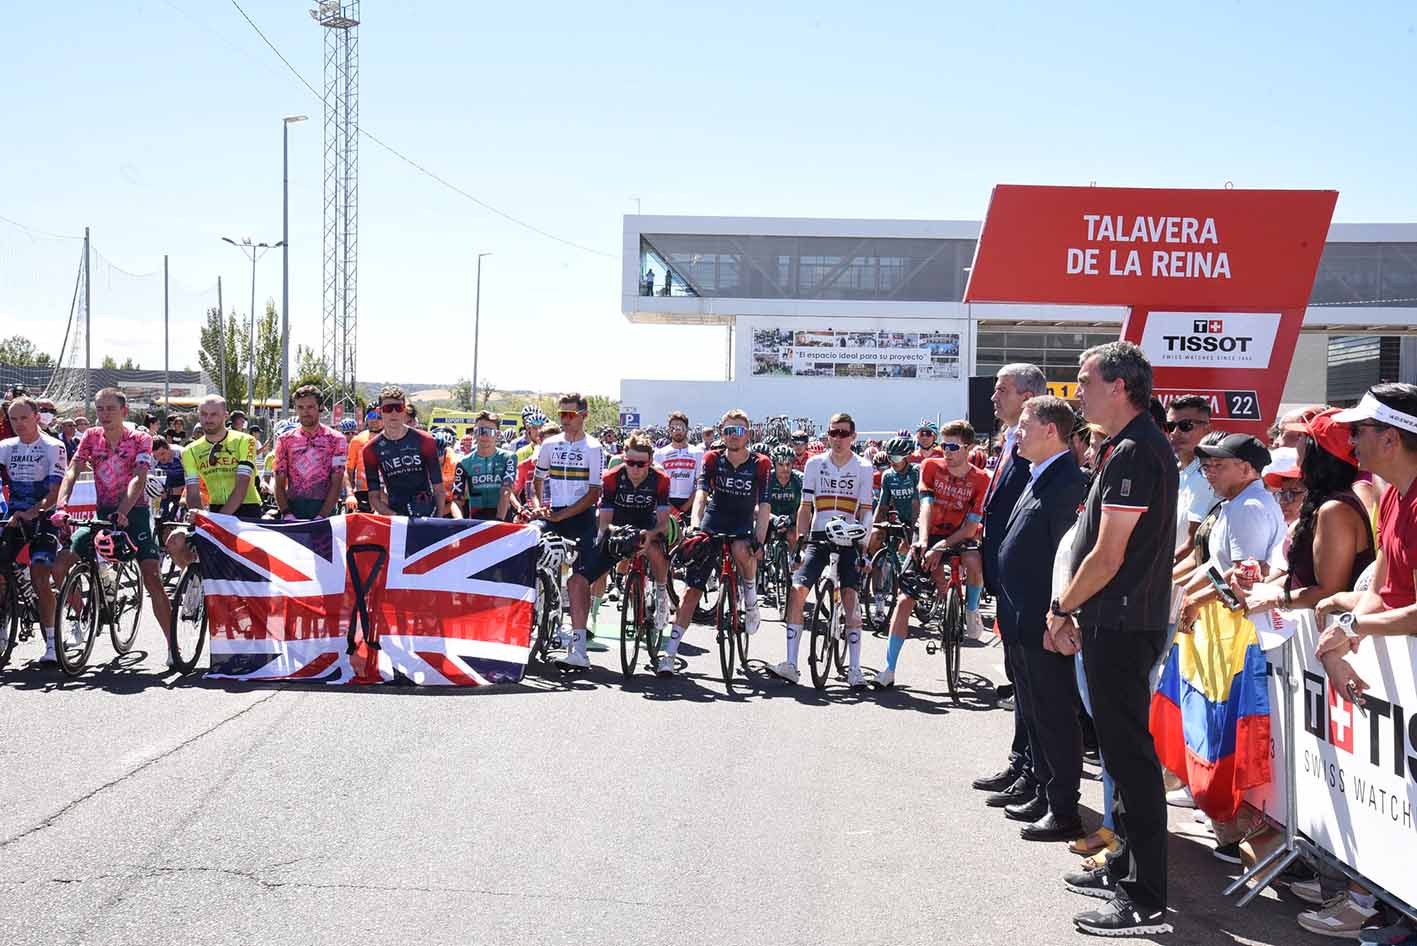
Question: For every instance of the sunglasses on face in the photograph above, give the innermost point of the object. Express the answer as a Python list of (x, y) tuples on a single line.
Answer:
[(1185, 426), (925, 433), (799, 442), (1290, 495), (899, 457), (391, 408), (735, 430), (486, 431), (566, 415), (637, 464), (839, 434), (952, 447), (678, 429)]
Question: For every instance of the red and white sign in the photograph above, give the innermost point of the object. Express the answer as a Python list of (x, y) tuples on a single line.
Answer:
[(1216, 280)]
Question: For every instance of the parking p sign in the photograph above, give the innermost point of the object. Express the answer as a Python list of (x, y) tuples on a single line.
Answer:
[(629, 418)]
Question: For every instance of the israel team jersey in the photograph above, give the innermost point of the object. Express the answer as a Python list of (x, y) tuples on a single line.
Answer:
[(30, 469)]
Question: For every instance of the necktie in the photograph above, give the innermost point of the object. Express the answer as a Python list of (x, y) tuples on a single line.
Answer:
[(1000, 473)]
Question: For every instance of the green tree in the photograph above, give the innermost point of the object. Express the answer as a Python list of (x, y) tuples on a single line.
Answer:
[(602, 411), (310, 369), (218, 355), (488, 388), (21, 353), (463, 394), (267, 381), (109, 362), (130, 365)]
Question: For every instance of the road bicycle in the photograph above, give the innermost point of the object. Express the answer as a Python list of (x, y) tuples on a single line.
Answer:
[(549, 613), (945, 610), (187, 630), (19, 608), (775, 570), (731, 633), (637, 624), (104, 588), (883, 580)]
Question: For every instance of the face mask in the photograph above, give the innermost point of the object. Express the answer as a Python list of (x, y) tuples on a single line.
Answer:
[(46, 418)]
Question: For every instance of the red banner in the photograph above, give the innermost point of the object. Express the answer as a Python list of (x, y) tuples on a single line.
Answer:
[(1216, 280)]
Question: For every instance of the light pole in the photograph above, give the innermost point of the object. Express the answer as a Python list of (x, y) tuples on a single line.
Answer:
[(255, 251), (476, 327), (285, 259)]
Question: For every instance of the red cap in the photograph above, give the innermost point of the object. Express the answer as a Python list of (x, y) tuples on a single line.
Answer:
[(1329, 434)]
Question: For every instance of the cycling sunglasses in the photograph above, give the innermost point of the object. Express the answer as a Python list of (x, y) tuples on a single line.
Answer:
[(898, 457), (1185, 426), (952, 447), (735, 430), (485, 431), (391, 408), (637, 464), (566, 415), (839, 434), (801, 440)]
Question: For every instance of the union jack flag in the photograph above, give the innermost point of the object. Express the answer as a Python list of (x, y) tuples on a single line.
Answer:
[(449, 601)]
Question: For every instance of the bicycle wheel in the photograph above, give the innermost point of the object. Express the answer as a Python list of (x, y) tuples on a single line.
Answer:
[(708, 603), (952, 629), (546, 621), (726, 615), (632, 604), (187, 632), (9, 620), (880, 592), (819, 644), (127, 606), (76, 619), (838, 624), (652, 630)]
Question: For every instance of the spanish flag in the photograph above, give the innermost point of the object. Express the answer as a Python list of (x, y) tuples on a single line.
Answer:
[(1210, 713)]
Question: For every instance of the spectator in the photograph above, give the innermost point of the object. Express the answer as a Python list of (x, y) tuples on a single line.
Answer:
[(237, 421), (46, 415), (81, 424), (1079, 441), (1285, 482), (1289, 429), (1187, 421), (1116, 609), (69, 434)]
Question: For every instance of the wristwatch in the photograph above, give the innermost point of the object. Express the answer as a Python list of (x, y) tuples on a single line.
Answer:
[(1055, 608), (1347, 622)]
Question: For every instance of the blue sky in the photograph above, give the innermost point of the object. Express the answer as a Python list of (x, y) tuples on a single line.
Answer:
[(158, 124)]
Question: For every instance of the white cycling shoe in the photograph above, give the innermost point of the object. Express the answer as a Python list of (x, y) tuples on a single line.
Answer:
[(883, 678), (786, 671), (855, 679), (752, 619), (665, 667), (576, 659), (974, 626)]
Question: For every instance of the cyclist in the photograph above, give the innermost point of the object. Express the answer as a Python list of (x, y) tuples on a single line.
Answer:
[(836, 485), (32, 467), (800, 456), (681, 460), (120, 457), (899, 500), (482, 483), (356, 484), (533, 432), (309, 461), (220, 472), (402, 465), (635, 493), (167, 458), (927, 436), (951, 513), (569, 468), (785, 490), (732, 499), (444, 438)]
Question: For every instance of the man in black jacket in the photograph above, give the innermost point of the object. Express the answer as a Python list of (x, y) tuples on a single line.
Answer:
[(1045, 683)]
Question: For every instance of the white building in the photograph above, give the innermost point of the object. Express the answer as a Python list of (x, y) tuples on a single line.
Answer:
[(865, 315)]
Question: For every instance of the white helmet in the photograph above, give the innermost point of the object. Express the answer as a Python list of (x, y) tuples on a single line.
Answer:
[(553, 553), (156, 486), (844, 532)]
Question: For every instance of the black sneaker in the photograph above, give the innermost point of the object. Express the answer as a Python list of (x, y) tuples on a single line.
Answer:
[(1229, 853), (1091, 883), (1121, 917)]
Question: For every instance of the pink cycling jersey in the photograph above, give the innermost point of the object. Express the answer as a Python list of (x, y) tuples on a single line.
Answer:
[(308, 459), (114, 467)]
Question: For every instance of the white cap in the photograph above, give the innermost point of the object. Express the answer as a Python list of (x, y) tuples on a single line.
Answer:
[(1283, 464), (1370, 408)]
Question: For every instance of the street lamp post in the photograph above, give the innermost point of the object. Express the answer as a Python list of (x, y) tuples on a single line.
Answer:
[(476, 327), (285, 259), (255, 251)]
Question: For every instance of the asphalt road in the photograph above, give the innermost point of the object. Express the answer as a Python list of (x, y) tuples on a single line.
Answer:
[(143, 809)]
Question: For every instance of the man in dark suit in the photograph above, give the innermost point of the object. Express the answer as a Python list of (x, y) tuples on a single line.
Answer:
[(1015, 384), (1045, 682)]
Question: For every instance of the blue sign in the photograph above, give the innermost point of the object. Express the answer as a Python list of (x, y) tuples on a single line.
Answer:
[(629, 419)]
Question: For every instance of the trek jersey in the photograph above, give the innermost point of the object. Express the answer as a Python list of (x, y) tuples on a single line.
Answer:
[(479, 480), (570, 467), (114, 467), (734, 492), (682, 464), (637, 506), (215, 466), (785, 498), (900, 490), (406, 470), (28, 470), (837, 491), (953, 499)]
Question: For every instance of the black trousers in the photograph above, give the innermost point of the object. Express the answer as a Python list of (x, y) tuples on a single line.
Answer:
[(1117, 664), (1046, 694), (1020, 758)]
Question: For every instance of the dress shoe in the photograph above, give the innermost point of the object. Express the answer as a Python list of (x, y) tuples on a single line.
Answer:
[(996, 782), (1022, 789), (1052, 828), (1030, 811)]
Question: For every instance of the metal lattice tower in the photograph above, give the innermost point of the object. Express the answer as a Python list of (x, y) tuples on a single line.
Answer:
[(340, 240)]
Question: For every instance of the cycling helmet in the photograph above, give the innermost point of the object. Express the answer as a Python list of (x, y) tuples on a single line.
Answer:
[(718, 445), (694, 549), (623, 542), (781, 523), (914, 581), (671, 531), (929, 425), (528, 411), (902, 432), (844, 532), (772, 440), (533, 416), (881, 460), (899, 446), (348, 426), (761, 449), (783, 454), (155, 488), (112, 546), (286, 426), (443, 437), (553, 553)]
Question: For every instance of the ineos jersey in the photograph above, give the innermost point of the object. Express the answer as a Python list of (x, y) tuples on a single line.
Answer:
[(30, 469), (637, 506), (682, 466), (570, 467), (406, 470), (734, 492), (837, 490)]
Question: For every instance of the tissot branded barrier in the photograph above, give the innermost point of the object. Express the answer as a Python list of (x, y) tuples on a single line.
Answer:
[(1216, 281)]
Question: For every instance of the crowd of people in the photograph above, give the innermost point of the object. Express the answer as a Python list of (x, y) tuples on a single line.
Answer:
[(1097, 531)]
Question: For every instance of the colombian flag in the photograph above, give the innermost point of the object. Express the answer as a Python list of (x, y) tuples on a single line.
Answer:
[(1210, 713)]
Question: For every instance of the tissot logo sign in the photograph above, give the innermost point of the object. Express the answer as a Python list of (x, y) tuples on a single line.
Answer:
[(1210, 339)]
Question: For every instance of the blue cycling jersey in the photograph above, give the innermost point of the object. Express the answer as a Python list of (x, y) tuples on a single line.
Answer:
[(30, 469)]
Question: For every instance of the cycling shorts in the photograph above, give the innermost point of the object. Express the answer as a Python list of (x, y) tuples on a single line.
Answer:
[(816, 556), (697, 575), (41, 536), (593, 566), (580, 529), (139, 532)]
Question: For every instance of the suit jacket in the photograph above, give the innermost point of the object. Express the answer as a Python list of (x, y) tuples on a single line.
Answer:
[(1029, 543), (996, 517)]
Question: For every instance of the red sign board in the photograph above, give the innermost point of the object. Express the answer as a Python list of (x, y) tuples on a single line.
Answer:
[(1216, 280)]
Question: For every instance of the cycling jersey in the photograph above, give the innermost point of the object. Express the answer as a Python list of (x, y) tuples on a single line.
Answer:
[(308, 459), (734, 492), (570, 467), (216, 466), (953, 499), (637, 506), (30, 469), (406, 469), (900, 490), (837, 490), (682, 465), (172, 470), (449, 468), (479, 480), (525, 450), (114, 467), (920, 456), (354, 459), (785, 497)]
